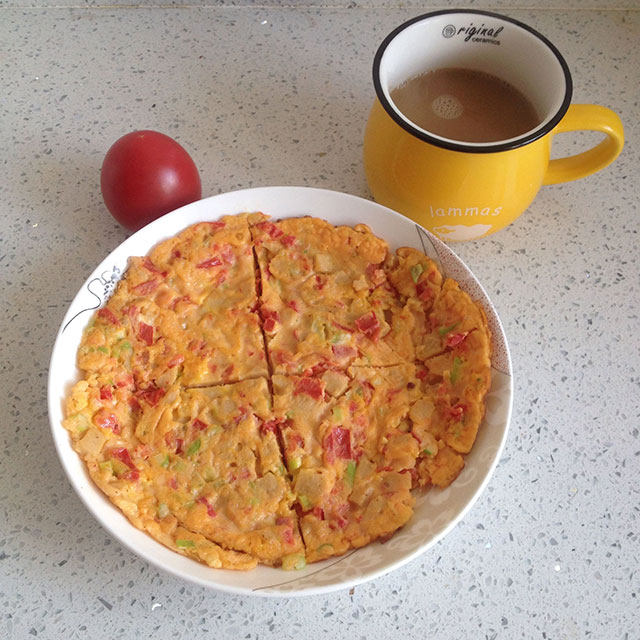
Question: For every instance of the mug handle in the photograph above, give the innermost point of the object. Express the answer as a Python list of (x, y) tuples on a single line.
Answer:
[(589, 117)]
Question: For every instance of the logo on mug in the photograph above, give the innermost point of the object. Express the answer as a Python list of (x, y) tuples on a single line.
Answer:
[(474, 33), (449, 31)]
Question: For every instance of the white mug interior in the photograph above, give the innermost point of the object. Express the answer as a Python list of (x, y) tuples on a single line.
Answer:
[(479, 41)]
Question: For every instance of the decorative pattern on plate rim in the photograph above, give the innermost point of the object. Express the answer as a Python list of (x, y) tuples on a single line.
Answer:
[(105, 282)]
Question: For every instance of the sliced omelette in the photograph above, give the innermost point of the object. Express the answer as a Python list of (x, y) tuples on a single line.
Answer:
[(273, 392), (457, 371), (220, 472)]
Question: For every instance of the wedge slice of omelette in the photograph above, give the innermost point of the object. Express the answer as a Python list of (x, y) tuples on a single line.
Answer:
[(325, 298), (351, 457), (187, 310), (199, 460)]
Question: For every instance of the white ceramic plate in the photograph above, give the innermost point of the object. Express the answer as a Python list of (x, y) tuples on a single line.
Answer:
[(436, 512)]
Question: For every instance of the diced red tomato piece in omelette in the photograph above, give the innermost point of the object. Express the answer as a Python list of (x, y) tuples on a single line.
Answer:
[(337, 444)]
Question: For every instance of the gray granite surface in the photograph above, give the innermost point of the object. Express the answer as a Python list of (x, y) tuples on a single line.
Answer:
[(271, 94)]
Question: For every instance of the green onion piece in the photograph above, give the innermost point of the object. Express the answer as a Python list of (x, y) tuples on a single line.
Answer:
[(325, 548), (280, 469), (288, 415), (79, 422), (293, 464), (194, 447), (294, 561), (455, 370), (163, 510), (350, 474), (442, 331), (305, 503), (124, 345), (185, 543), (416, 270), (162, 459), (337, 413), (119, 467), (106, 465), (104, 350), (427, 452)]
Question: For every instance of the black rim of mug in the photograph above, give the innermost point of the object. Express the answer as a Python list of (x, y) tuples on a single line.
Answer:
[(461, 146)]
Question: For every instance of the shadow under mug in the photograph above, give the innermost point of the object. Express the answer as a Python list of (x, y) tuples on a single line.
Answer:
[(465, 190)]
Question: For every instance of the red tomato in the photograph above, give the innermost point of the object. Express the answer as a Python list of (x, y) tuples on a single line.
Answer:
[(146, 174)]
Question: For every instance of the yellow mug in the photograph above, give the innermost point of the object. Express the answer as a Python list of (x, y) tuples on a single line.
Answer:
[(467, 190)]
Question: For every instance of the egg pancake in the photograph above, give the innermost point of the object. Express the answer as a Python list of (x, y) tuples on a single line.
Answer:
[(276, 392)]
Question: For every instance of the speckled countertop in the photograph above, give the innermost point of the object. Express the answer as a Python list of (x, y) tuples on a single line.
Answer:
[(276, 94)]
